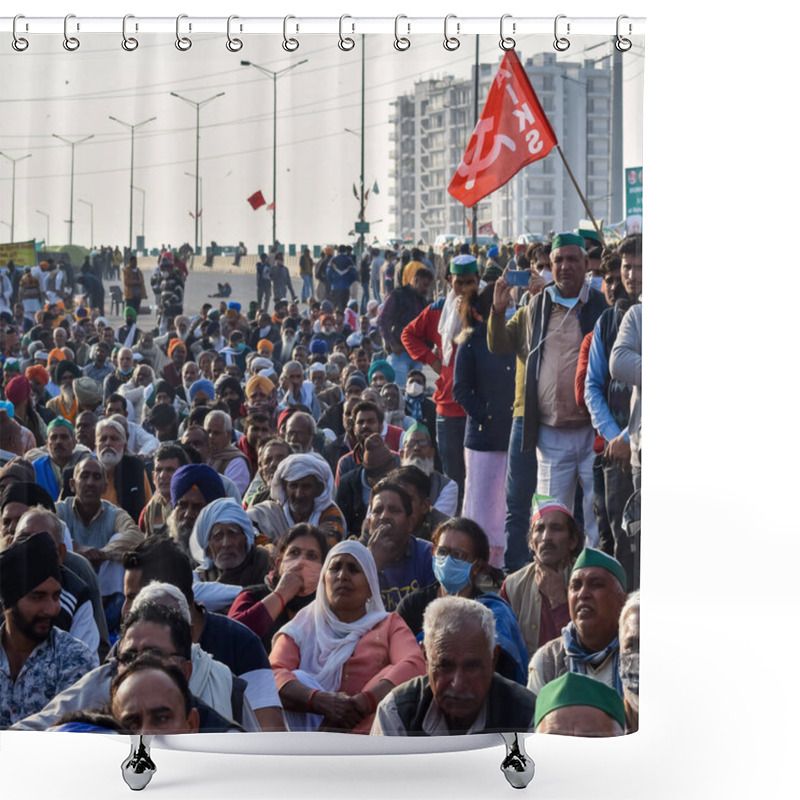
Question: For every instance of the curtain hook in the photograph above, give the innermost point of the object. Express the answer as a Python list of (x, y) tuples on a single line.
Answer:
[(561, 43), (622, 44), (289, 44), (345, 42), (183, 43), (129, 43), (507, 42), (451, 42), (401, 43), (233, 44), (19, 43), (71, 43)]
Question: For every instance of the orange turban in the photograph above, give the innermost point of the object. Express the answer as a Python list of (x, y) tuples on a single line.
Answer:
[(176, 342), (256, 382), (56, 355), (37, 373), (265, 345)]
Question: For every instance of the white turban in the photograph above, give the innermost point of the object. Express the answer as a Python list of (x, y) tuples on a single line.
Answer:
[(298, 466), (225, 509)]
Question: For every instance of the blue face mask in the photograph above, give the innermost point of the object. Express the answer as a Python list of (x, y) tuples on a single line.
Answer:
[(597, 282), (240, 347), (567, 302), (451, 572)]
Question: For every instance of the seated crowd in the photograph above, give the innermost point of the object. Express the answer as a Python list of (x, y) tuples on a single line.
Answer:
[(266, 522)]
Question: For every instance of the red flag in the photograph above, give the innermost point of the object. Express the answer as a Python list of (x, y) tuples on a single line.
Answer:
[(271, 206), (512, 132), (486, 230), (256, 200)]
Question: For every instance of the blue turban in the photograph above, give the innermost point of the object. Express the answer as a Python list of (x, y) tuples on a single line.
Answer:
[(234, 306), (383, 367), (318, 346), (225, 510), (201, 476), (203, 385)]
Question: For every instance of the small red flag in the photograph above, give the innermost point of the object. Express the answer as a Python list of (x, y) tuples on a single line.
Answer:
[(256, 200), (511, 133), (271, 206)]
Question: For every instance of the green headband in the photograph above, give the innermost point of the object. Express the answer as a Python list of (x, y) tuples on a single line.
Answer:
[(60, 422), (573, 689), (590, 557), (464, 265), (567, 239)]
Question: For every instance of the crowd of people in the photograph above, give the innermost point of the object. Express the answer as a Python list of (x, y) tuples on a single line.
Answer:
[(260, 517)]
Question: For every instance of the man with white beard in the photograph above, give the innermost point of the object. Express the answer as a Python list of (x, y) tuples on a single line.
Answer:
[(418, 451)]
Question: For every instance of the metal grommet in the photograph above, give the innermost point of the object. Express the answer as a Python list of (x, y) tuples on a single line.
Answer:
[(70, 42), (129, 43), (401, 43), (451, 42), (561, 43), (345, 42), (622, 44), (289, 44), (183, 43), (19, 43), (507, 42), (233, 44)]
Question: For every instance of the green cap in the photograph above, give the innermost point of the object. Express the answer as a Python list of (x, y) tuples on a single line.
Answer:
[(566, 239), (589, 233), (572, 689), (60, 422), (590, 557), (418, 427), (464, 265)]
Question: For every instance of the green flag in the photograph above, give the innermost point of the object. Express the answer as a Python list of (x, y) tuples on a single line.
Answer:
[(375, 188)]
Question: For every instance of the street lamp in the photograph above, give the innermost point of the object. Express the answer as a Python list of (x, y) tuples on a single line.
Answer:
[(197, 105), (91, 224), (14, 184), (47, 216), (72, 144), (143, 196), (274, 75), (130, 207), (192, 175)]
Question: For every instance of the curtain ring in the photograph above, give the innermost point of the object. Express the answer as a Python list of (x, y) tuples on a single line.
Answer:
[(622, 44), (401, 43), (129, 43), (345, 42), (451, 42), (289, 44), (70, 42), (507, 42), (561, 43), (233, 44), (19, 43), (183, 43)]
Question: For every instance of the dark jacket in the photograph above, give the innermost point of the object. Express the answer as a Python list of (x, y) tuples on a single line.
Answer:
[(401, 307), (483, 385), (350, 499)]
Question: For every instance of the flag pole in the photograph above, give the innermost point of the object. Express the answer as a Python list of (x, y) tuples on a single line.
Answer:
[(580, 194)]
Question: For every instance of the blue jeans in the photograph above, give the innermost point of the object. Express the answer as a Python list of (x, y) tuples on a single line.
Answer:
[(376, 289), (364, 297), (450, 441), (401, 365), (520, 488), (308, 287)]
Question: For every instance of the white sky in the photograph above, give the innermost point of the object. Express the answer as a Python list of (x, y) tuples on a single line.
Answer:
[(47, 91)]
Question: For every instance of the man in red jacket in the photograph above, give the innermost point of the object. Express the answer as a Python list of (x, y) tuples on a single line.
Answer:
[(440, 323)]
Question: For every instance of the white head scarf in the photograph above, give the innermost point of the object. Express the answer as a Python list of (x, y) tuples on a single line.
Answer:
[(449, 324), (324, 641), (298, 466), (225, 509)]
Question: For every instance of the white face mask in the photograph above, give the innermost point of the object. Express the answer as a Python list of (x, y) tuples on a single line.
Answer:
[(414, 389)]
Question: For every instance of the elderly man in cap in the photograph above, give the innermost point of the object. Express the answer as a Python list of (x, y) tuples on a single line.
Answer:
[(223, 544), (89, 394), (62, 454), (549, 428), (589, 645), (461, 693), (296, 390), (576, 705), (192, 488), (538, 592), (224, 457), (419, 451), (129, 334), (301, 491), (440, 323), (37, 660)]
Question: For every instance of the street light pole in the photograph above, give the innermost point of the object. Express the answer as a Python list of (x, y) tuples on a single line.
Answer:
[(143, 197), (47, 216), (72, 144), (14, 184), (193, 175), (197, 105), (91, 217), (274, 75), (132, 128)]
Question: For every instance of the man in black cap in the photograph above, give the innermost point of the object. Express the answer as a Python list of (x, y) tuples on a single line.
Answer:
[(37, 660)]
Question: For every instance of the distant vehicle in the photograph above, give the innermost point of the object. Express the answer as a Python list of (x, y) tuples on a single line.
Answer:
[(530, 238), (455, 240), (55, 256)]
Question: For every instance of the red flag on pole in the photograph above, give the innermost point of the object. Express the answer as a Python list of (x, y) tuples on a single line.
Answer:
[(271, 206), (256, 200), (511, 133)]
